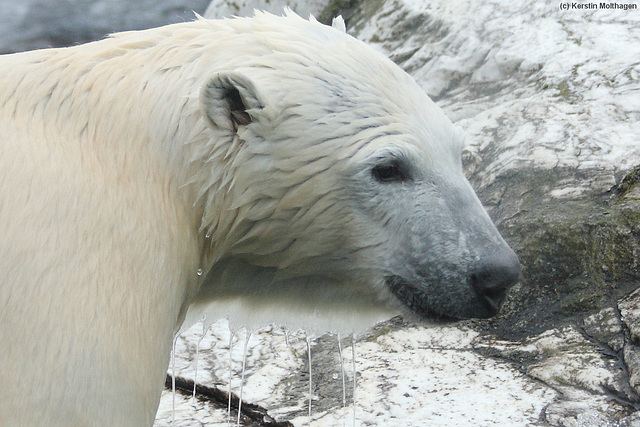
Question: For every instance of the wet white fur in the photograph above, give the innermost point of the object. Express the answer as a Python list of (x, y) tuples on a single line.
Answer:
[(115, 189)]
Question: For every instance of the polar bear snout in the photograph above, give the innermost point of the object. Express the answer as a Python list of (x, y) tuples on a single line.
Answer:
[(476, 291), (493, 278)]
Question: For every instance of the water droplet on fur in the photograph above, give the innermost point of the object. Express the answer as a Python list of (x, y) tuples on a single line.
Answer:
[(199, 272)]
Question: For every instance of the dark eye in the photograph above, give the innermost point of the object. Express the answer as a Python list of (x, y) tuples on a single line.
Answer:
[(390, 172)]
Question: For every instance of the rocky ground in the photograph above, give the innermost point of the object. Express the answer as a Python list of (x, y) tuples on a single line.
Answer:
[(550, 102), (579, 374)]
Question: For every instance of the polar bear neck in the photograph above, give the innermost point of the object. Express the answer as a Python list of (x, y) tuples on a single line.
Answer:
[(84, 118)]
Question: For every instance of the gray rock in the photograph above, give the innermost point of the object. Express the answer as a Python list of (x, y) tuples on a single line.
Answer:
[(607, 328), (632, 359), (630, 311), (632, 420), (36, 24)]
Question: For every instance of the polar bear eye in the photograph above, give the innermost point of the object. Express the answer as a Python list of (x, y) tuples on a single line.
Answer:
[(390, 172)]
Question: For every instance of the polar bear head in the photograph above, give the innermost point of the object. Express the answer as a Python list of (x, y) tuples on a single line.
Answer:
[(335, 185)]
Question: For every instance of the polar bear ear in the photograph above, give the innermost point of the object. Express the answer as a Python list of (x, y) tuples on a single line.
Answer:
[(230, 100)]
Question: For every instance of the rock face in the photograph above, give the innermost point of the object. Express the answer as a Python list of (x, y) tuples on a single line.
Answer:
[(407, 375), (230, 8), (549, 101), (37, 24)]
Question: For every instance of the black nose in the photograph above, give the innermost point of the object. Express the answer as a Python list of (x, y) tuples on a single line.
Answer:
[(493, 277)]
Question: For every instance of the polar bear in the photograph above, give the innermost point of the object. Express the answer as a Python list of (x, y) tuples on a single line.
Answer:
[(267, 164)]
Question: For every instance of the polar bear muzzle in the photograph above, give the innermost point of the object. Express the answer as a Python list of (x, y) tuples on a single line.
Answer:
[(440, 253), (490, 281)]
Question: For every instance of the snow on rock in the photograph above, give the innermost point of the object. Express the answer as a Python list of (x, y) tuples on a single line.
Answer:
[(432, 374), (178, 410), (585, 372), (271, 354), (410, 374), (405, 375)]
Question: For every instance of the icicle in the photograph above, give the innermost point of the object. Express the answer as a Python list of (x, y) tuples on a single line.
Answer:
[(353, 354), (173, 381), (310, 377), (195, 374), (232, 333), (344, 385), (244, 363)]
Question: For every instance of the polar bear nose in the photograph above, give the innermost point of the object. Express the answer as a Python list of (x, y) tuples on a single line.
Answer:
[(493, 278)]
